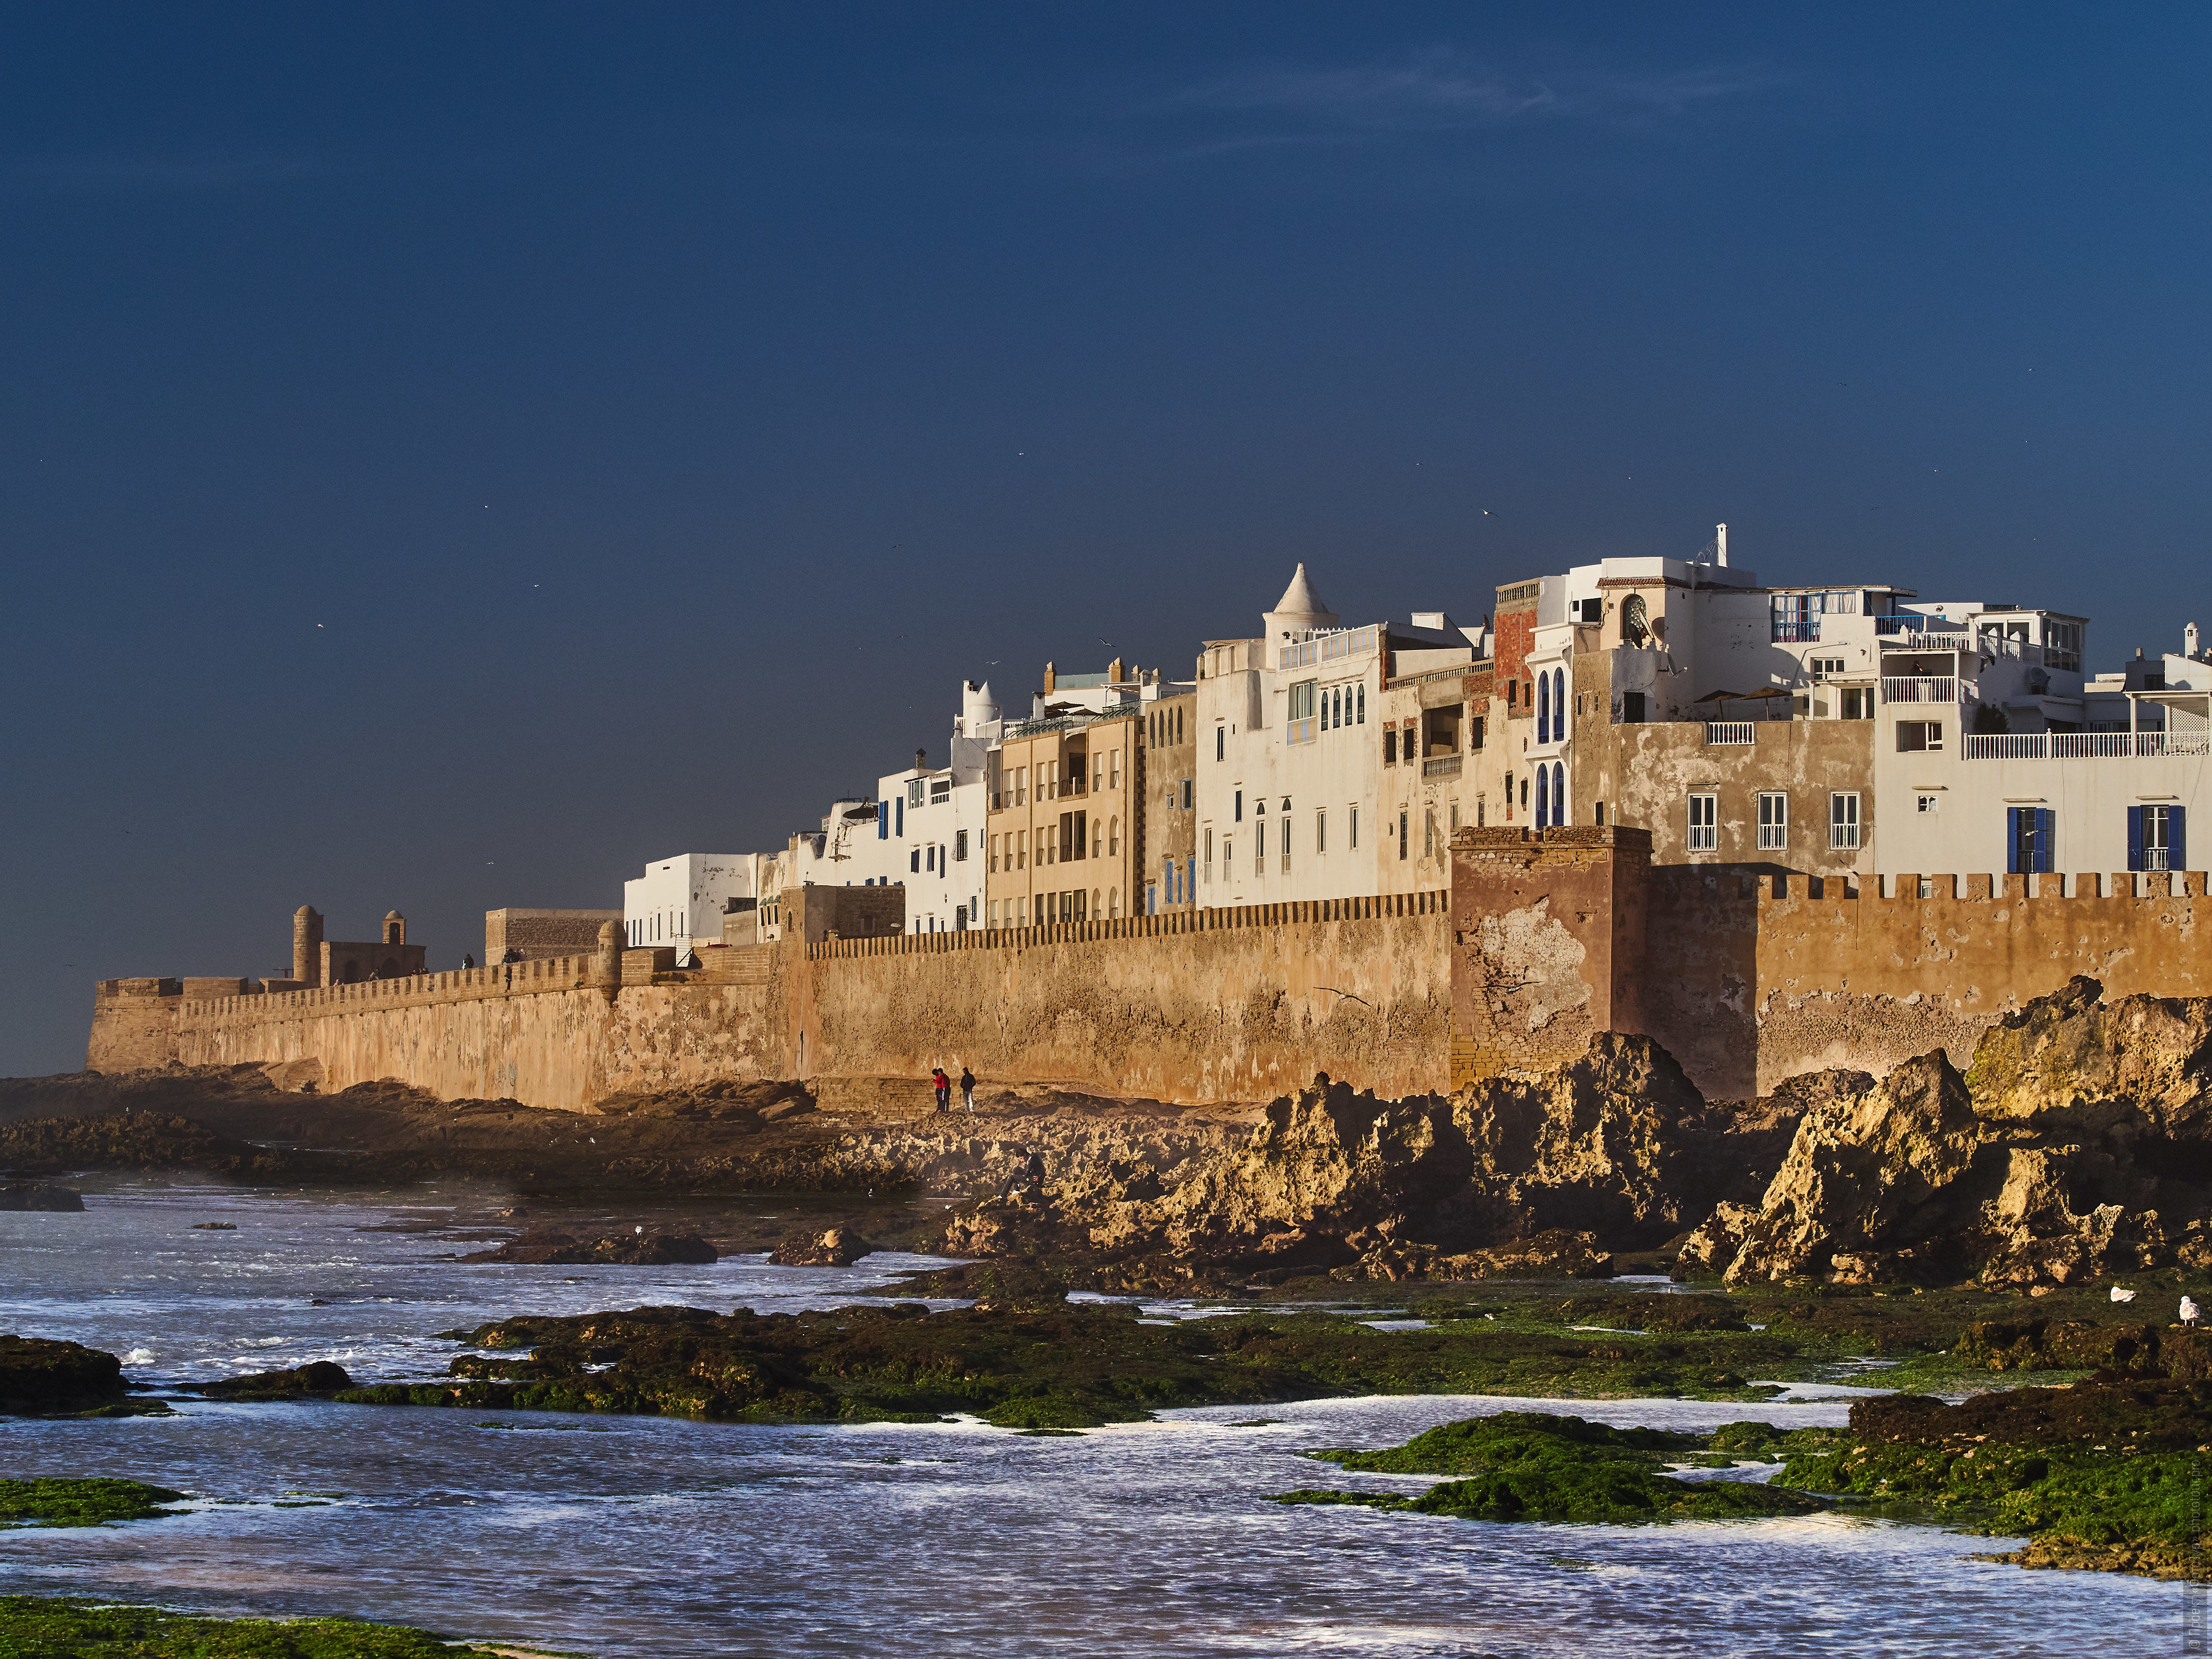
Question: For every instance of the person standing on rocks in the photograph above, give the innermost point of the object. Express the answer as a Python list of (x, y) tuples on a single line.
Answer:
[(943, 1085), (968, 1089)]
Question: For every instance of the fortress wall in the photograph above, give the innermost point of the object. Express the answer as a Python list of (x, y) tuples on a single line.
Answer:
[(1871, 980), (1231, 1005), (1222, 1004)]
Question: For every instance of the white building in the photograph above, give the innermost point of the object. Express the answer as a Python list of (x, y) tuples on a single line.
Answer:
[(1290, 772), (922, 830), (2067, 779), (681, 899)]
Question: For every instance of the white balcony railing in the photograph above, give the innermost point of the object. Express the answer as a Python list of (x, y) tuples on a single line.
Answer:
[(2086, 745), (1296, 732), (1919, 642), (1344, 643), (1731, 731), (1919, 688)]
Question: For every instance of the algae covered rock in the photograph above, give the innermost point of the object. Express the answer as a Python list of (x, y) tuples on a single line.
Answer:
[(21, 1195), (634, 1249), (2103, 1474), (840, 1247), (81, 1504), (320, 1378), (1533, 1466), (39, 1377)]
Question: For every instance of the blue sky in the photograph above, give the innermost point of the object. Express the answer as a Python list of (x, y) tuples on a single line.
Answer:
[(450, 455)]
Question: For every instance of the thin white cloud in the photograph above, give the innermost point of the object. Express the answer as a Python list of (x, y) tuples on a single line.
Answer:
[(1442, 91)]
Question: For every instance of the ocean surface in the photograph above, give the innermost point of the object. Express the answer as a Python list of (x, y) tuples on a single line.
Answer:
[(620, 1536)]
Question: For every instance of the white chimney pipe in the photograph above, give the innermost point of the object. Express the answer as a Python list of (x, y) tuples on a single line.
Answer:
[(2189, 641), (1720, 544)]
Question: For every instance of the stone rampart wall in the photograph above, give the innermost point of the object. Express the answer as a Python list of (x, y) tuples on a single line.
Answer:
[(1231, 1004)]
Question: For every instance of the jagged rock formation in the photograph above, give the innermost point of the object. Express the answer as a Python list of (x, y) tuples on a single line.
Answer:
[(2079, 1142)]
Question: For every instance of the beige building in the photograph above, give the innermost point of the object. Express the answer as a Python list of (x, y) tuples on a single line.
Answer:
[(1166, 868), (1062, 836)]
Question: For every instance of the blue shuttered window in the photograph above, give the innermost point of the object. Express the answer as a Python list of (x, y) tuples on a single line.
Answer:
[(2155, 838), (1543, 723), (2030, 835)]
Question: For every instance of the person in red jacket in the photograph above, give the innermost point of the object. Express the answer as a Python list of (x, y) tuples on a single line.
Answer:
[(943, 1085)]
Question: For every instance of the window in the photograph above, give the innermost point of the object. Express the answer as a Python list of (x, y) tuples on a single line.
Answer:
[(1114, 768), (1190, 794), (1402, 835), (882, 820), (1858, 703), (1823, 666), (1704, 823), (992, 914), (1239, 815), (1475, 733), (2155, 839), (960, 846), (1512, 693), (1302, 700), (1844, 822), (1631, 708), (1259, 851), (1219, 739), (1362, 720), (1113, 835), (1321, 832), (1021, 786), (1209, 856), (1353, 843), (914, 862), (913, 791), (1190, 880), (1599, 819), (1151, 899), (1543, 721), (1389, 749), (1592, 611), (1286, 839), (940, 791), (1524, 794), (1926, 802), (1021, 849), (1914, 737), (929, 861), (1543, 794), (991, 859), (2031, 832), (1773, 821), (899, 806), (1428, 834)]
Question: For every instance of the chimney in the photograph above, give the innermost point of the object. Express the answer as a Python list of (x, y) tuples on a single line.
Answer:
[(1114, 672), (2189, 641), (1047, 679), (922, 760), (1720, 544)]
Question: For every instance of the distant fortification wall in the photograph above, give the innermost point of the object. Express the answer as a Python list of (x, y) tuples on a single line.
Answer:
[(1232, 1004)]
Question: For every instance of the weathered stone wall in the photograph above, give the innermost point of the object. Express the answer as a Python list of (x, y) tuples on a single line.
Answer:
[(1214, 1006), (1234, 1005), (133, 1024), (544, 932), (1547, 943)]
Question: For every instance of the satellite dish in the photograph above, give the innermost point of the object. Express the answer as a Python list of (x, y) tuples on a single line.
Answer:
[(1635, 620)]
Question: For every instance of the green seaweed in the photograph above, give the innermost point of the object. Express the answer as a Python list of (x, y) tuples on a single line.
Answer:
[(89, 1503), (2108, 1473), (35, 1626), (1533, 1466)]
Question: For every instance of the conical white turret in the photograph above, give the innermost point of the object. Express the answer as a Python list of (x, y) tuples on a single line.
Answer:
[(1300, 611)]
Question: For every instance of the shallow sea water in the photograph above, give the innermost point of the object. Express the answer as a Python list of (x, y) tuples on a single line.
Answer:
[(623, 1536)]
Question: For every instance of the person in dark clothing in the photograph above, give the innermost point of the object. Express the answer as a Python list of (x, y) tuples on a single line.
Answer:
[(943, 1085), (468, 960), (1028, 1174), (968, 1089)]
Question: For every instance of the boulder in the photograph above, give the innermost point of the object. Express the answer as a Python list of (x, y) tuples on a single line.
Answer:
[(841, 1247), (319, 1376), (40, 1377), (634, 1249), (39, 1195)]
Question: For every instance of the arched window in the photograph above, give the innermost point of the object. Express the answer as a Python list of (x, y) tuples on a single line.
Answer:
[(1559, 794), (1543, 780), (1363, 704), (1543, 726), (1559, 703), (1113, 835), (1113, 903)]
